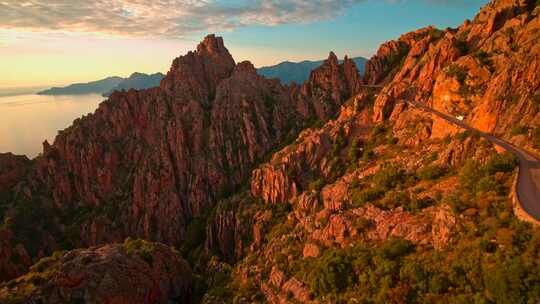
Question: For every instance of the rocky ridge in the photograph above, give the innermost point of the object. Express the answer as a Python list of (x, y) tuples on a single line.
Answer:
[(383, 188), (156, 159)]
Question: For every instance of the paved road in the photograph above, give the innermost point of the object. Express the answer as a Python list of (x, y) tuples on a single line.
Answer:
[(528, 184)]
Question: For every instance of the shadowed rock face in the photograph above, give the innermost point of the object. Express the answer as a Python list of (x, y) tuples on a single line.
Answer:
[(12, 169), (147, 162), (133, 272)]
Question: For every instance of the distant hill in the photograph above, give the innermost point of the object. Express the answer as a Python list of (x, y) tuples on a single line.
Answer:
[(137, 81), (108, 85), (94, 87), (299, 72)]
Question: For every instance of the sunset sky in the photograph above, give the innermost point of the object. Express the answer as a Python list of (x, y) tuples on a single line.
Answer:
[(54, 42)]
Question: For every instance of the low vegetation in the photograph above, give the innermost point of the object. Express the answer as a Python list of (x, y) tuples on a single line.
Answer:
[(141, 248)]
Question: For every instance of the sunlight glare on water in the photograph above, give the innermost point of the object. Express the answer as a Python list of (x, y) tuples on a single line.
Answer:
[(28, 120)]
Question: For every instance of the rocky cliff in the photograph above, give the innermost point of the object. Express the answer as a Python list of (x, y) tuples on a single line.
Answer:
[(384, 170), (155, 159), (324, 192), (485, 71)]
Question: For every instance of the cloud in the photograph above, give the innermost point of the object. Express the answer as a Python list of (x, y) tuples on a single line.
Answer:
[(162, 18)]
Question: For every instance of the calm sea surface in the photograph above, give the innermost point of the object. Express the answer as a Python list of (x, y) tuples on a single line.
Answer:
[(27, 120)]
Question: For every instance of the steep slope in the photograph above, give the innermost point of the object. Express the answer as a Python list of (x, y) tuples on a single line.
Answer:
[(289, 72), (388, 203), (148, 162), (376, 201), (137, 81), (354, 200), (486, 71)]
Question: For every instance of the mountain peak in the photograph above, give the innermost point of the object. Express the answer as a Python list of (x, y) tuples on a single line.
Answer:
[(332, 58), (212, 45), (198, 73)]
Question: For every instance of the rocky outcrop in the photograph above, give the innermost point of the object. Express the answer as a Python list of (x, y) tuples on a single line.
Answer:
[(328, 87), (134, 272), (292, 169), (380, 65), (280, 290)]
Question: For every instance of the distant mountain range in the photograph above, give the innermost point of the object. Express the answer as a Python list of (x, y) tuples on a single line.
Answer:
[(299, 72), (108, 85), (286, 71), (94, 87), (137, 81)]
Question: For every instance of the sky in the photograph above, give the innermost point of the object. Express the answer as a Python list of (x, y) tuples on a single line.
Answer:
[(57, 42)]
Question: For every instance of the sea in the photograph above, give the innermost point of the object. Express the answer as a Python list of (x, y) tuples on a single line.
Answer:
[(28, 119)]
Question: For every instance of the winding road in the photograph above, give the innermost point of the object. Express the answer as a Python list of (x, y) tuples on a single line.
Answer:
[(528, 181)]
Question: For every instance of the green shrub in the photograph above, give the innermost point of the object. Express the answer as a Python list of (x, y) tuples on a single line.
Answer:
[(469, 174), (487, 245), (43, 264), (354, 152), (317, 184), (438, 284), (332, 272), (395, 248), (505, 162), (462, 46), (388, 177), (463, 135), (416, 204), (360, 198), (378, 131), (391, 140), (138, 247), (488, 184), (520, 130), (338, 144), (393, 199), (504, 283), (432, 172), (435, 34), (457, 72), (483, 58), (368, 154)]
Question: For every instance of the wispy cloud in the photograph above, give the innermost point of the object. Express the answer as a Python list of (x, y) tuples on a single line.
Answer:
[(162, 18)]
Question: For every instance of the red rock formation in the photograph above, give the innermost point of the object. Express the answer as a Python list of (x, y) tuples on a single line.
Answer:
[(135, 272), (378, 67), (155, 159), (291, 169), (486, 71), (328, 87)]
